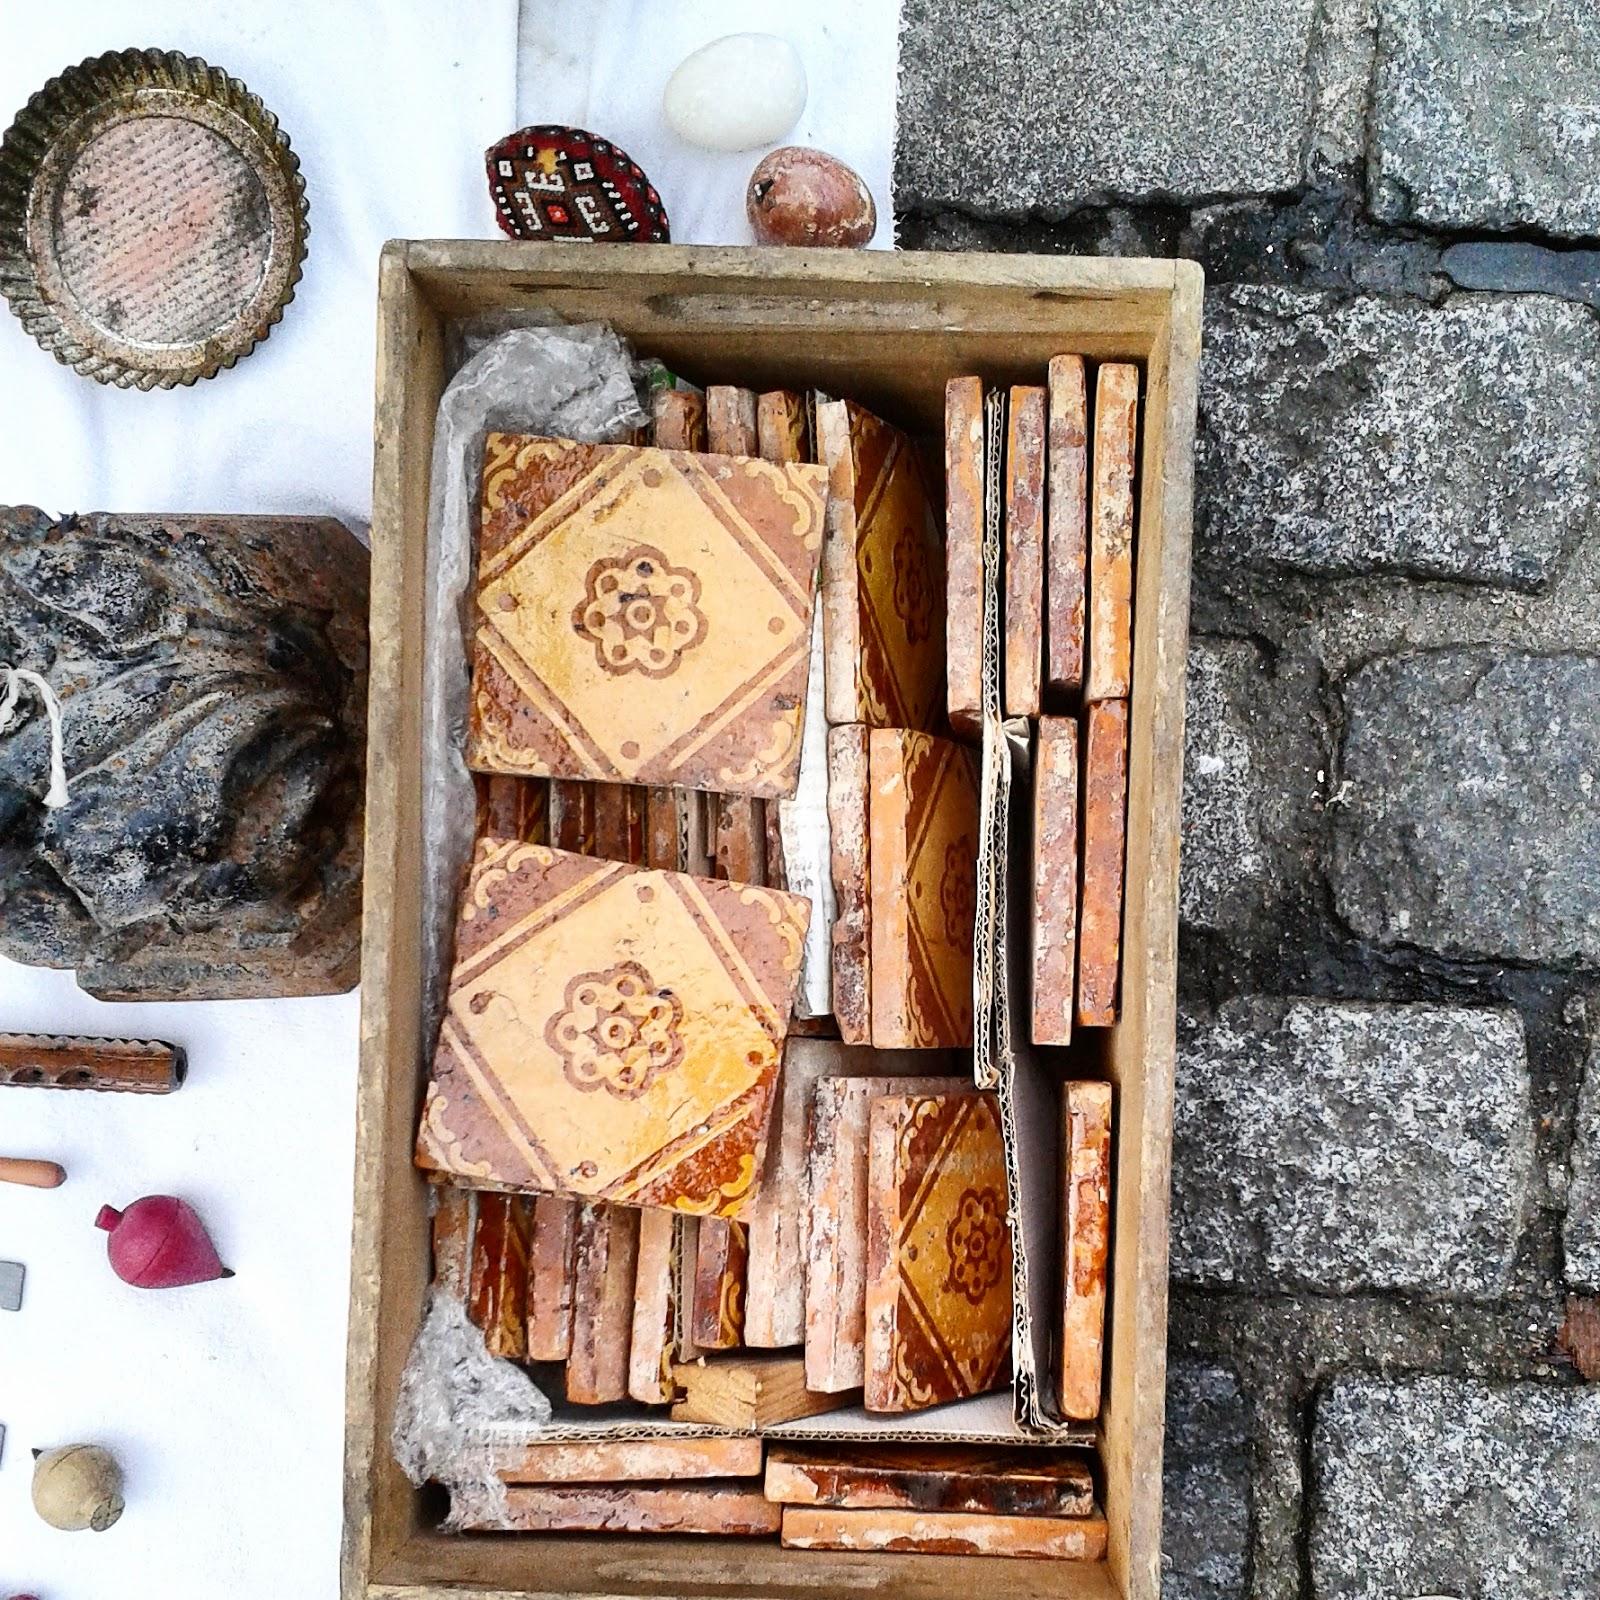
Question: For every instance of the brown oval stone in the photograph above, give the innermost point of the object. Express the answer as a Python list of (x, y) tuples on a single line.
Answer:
[(798, 196)]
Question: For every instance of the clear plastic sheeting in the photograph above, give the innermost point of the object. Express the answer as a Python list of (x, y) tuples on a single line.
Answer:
[(453, 1394), (578, 382)]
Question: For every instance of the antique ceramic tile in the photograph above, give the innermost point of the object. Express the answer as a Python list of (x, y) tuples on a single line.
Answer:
[(571, 816), (938, 1251), (961, 1533), (678, 420), (627, 1460), (513, 808), (552, 1277), (1086, 1215), (837, 1161), (783, 432), (455, 1221), (849, 782), (717, 1305), (731, 420), (611, 1031), (1105, 816), (619, 822), (726, 1508), (643, 615), (924, 862), (1067, 538), (739, 838), (963, 501), (1055, 878), (882, 576), (931, 1477), (497, 1298), (650, 1351), (1022, 624), (602, 1304), (1108, 674)]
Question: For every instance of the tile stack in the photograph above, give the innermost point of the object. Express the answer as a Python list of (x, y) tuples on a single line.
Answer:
[(707, 1157)]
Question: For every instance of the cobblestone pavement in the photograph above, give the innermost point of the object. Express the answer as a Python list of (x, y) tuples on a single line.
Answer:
[(1387, 1131)]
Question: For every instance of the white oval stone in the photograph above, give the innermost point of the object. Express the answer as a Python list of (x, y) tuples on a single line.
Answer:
[(736, 93)]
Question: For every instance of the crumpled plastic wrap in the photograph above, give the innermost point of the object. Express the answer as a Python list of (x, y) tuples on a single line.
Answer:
[(568, 382), (454, 1397)]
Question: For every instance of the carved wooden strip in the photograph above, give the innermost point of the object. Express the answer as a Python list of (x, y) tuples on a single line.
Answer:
[(678, 419), (602, 1309), (1086, 1217), (848, 788), (726, 1509), (1108, 672), (928, 1477), (552, 1277), (747, 1393), (650, 1352), (1105, 809), (498, 1294), (1067, 535), (73, 1061), (717, 1315), (963, 489), (836, 1245), (1023, 617), (627, 1460), (1055, 878), (955, 1533)]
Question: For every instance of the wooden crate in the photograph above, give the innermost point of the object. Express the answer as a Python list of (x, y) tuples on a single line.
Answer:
[(886, 329)]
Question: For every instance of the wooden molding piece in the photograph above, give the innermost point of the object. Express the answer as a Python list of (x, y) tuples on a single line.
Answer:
[(72, 1061), (748, 1393), (949, 1533)]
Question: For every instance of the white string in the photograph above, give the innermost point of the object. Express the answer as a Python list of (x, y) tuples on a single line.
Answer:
[(15, 678)]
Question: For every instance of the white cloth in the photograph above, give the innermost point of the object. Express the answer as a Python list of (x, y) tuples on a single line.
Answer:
[(603, 64), (224, 1402)]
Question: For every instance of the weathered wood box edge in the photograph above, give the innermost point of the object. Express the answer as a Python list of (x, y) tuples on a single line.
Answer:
[(887, 329)]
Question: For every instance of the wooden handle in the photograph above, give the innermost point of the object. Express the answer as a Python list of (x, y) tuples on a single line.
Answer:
[(36, 1174)]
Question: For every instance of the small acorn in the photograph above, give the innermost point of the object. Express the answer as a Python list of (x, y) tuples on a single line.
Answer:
[(805, 197), (77, 1486), (160, 1242)]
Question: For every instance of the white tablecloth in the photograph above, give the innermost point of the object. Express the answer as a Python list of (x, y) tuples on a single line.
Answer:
[(225, 1401)]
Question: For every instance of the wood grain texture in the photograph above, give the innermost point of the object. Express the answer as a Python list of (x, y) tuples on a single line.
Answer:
[(1067, 528), (602, 1305), (951, 1533), (1086, 1245), (927, 1477), (723, 1509), (1022, 621), (747, 1393), (1105, 804), (1109, 669), (1055, 879), (849, 786), (963, 502), (627, 1460), (552, 1277)]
